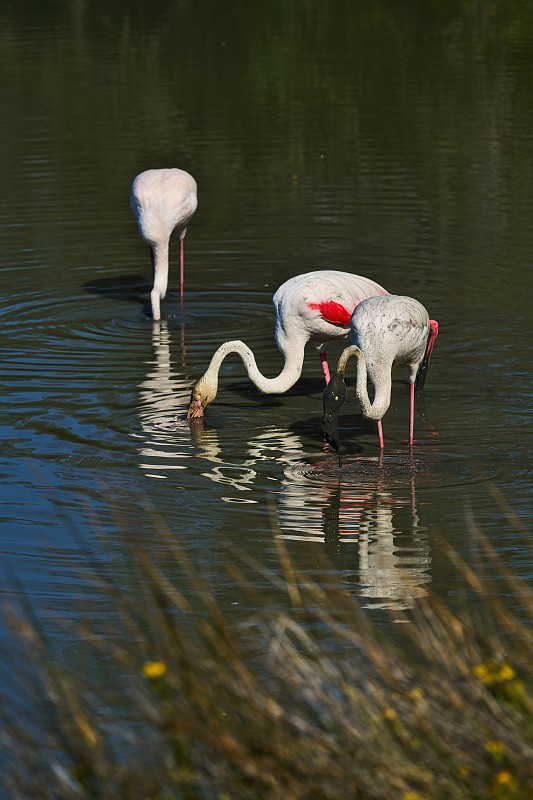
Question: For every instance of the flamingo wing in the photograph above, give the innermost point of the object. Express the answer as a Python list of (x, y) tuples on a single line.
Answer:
[(333, 312)]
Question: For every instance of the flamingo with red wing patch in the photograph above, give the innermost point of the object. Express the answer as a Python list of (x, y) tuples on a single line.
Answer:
[(295, 326)]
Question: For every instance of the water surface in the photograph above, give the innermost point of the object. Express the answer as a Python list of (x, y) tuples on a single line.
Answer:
[(396, 143)]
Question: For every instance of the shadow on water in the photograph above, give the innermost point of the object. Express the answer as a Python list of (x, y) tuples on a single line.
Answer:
[(351, 427), (132, 288), (304, 387)]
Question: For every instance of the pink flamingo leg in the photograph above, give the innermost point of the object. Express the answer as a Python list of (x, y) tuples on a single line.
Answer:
[(380, 434), (325, 367), (182, 271), (411, 413)]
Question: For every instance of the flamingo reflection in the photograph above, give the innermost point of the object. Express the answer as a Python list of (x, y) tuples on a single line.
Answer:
[(163, 388), (371, 532), (367, 523), (167, 446)]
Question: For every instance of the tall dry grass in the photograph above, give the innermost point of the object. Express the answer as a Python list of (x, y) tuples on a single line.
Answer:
[(311, 702)]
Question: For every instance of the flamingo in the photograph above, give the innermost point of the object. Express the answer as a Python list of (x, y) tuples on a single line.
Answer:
[(163, 200), (314, 306), (384, 331)]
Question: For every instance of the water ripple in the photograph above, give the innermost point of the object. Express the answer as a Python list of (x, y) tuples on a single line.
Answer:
[(392, 469)]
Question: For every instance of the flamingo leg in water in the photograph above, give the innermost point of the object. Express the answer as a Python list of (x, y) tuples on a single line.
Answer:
[(325, 367), (182, 270), (380, 434), (411, 413)]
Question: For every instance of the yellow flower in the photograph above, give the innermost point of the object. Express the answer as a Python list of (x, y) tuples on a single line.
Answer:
[(415, 694), (483, 673), (504, 778), (154, 669), (495, 748), (389, 713), (463, 770), (490, 673), (412, 796), (506, 673)]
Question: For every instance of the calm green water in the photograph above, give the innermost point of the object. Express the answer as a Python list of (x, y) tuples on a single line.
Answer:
[(389, 139)]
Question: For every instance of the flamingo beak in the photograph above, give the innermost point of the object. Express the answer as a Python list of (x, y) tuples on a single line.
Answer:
[(332, 399), (424, 366), (330, 433), (196, 407)]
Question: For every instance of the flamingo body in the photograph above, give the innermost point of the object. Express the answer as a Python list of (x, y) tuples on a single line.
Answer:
[(163, 200), (384, 331), (316, 306)]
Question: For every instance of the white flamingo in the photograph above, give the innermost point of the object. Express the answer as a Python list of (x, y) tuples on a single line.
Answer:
[(315, 306), (384, 331), (163, 200)]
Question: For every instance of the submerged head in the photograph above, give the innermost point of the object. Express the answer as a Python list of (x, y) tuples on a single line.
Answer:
[(203, 393), (332, 399)]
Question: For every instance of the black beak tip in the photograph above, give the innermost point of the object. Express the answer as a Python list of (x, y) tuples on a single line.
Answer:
[(333, 398), (331, 436), (421, 376)]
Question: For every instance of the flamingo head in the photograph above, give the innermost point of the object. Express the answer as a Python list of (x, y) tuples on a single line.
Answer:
[(203, 393), (333, 398)]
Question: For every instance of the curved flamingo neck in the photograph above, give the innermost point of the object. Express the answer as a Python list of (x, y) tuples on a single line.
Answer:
[(381, 380), (159, 253), (159, 257), (288, 376)]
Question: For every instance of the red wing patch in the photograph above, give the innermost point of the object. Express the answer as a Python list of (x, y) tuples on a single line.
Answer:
[(333, 312)]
